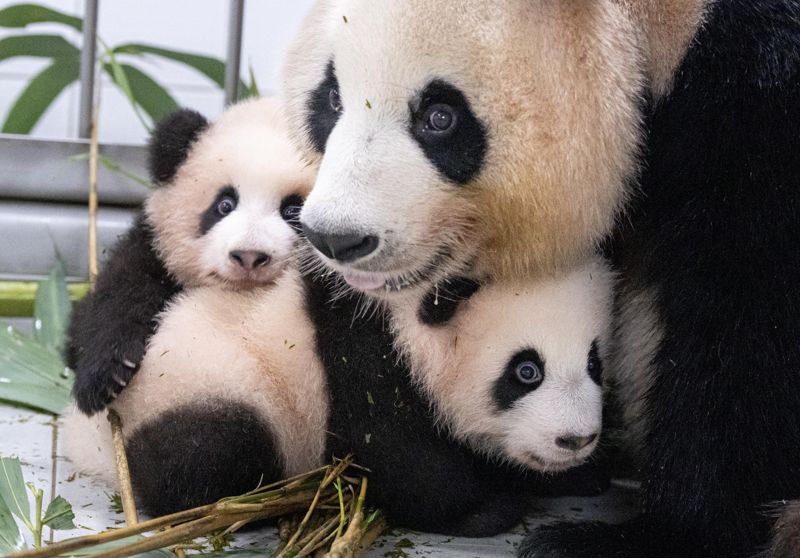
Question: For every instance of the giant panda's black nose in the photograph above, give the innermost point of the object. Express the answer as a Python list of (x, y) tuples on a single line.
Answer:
[(341, 247)]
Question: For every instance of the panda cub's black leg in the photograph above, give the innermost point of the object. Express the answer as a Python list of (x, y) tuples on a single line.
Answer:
[(109, 329), (197, 454)]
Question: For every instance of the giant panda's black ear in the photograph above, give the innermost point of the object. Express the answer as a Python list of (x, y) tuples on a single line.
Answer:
[(440, 304), (170, 142)]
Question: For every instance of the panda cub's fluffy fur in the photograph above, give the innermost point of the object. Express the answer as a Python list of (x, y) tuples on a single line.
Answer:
[(225, 193), (532, 352)]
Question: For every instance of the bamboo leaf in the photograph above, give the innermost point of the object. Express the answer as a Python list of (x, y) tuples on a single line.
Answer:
[(51, 310), (12, 489), (59, 515), (212, 68), (43, 46), (117, 72), (22, 15), (39, 94), (10, 537), (144, 91), (32, 375)]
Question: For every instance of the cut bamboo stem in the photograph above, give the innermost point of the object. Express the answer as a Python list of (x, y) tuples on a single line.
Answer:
[(123, 471)]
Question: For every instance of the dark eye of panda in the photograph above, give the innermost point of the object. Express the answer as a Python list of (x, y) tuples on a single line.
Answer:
[(335, 100), (224, 204), (449, 133), (440, 118), (594, 365), (528, 373), (290, 210), (523, 374)]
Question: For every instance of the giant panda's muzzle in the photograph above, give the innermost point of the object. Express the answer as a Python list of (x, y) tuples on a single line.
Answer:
[(341, 247)]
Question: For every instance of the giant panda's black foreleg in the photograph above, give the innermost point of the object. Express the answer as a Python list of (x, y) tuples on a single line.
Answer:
[(200, 453), (109, 329)]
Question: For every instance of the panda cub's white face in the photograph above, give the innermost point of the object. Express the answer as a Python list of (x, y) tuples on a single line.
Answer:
[(517, 372), (228, 216)]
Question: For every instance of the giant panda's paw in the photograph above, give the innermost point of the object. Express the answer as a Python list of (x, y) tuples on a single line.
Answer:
[(582, 540), (100, 377)]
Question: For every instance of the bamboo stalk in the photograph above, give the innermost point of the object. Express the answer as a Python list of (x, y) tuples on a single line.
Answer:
[(93, 157), (123, 471)]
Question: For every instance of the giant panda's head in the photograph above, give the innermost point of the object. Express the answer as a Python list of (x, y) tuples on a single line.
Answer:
[(228, 195), (495, 135), (518, 371)]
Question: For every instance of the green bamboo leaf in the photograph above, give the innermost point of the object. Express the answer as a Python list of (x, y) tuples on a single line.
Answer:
[(43, 46), (22, 15), (144, 91), (117, 72), (252, 89), (32, 375), (59, 515), (39, 94), (10, 537), (12, 489), (212, 68), (51, 310)]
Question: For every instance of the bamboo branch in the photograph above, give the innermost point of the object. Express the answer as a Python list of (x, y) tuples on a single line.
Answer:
[(123, 472)]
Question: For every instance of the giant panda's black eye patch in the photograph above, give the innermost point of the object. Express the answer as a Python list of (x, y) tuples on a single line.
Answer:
[(224, 204), (324, 108), (523, 374), (594, 365), (447, 130)]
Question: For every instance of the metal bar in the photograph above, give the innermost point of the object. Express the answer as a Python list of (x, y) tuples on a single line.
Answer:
[(88, 56), (234, 55)]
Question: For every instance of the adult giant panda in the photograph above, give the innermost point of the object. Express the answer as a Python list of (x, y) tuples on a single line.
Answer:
[(505, 138)]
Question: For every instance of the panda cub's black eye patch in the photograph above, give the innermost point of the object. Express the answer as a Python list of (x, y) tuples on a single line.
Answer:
[(594, 365), (523, 374), (449, 133), (224, 204), (324, 109)]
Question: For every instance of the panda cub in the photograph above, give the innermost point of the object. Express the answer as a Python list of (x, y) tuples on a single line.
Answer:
[(222, 216), (532, 352)]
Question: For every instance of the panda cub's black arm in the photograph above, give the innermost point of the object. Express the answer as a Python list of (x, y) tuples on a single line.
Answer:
[(440, 304), (109, 329)]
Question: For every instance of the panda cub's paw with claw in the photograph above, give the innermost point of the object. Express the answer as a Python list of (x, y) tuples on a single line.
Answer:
[(99, 378)]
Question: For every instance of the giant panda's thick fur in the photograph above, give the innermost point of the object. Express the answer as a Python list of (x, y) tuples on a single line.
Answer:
[(688, 109)]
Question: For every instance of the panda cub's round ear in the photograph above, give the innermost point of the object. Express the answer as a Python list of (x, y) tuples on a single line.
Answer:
[(170, 142)]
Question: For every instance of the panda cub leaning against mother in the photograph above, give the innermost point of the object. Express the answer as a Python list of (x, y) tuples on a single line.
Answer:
[(511, 139)]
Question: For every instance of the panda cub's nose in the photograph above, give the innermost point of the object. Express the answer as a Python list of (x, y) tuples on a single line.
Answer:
[(341, 247), (249, 259), (575, 443)]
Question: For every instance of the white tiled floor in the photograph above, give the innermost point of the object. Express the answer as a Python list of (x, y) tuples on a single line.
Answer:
[(32, 437)]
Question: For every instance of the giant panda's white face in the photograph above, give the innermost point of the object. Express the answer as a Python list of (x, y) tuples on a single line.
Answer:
[(228, 216), (518, 371), (496, 136)]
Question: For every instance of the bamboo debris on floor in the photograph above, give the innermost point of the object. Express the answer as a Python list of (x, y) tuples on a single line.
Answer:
[(333, 502)]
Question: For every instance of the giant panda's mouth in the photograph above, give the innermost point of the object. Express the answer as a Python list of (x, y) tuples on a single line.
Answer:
[(392, 282)]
